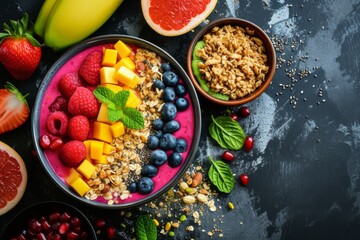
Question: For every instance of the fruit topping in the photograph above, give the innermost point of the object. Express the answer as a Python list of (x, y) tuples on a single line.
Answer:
[(90, 68), (244, 112), (168, 112), (157, 124), (248, 143), (78, 128), (83, 102), (170, 79), (175, 159), (169, 94), (180, 90), (153, 142), (171, 126), (158, 157), (228, 156), (244, 179), (181, 145), (69, 83), (57, 123), (149, 170), (60, 104), (72, 153), (145, 185), (167, 141), (181, 104)]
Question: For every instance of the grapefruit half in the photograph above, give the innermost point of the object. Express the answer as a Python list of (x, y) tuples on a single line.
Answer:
[(176, 17), (13, 178)]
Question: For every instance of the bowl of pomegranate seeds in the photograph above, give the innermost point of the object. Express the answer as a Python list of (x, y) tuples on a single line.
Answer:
[(50, 220), (116, 122)]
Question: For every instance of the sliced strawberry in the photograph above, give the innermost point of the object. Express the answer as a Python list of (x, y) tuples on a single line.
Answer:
[(14, 110)]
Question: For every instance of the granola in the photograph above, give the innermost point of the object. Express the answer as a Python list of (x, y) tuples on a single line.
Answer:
[(234, 61)]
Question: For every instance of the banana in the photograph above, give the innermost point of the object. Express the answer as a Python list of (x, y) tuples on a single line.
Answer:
[(71, 21), (42, 17)]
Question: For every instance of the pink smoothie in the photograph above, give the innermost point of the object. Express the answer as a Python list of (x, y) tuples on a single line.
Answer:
[(165, 173)]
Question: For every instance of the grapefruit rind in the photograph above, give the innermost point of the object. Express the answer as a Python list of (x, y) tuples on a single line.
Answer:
[(194, 22), (21, 188)]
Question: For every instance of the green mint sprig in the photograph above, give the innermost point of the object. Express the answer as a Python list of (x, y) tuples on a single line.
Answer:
[(117, 111)]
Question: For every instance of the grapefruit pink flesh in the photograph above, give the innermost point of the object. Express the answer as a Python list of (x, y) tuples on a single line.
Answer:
[(13, 178), (174, 17)]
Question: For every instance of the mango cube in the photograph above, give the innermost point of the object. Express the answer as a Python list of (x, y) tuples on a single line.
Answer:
[(80, 186), (108, 148), (123, 50), (102, 132), (126, 62), (96, 149), (109, 57), (127, 77), (113, 87), (103, 114), (86, 169), (87, 146), (101, 160), (71, 176), (133, 100), (117, 129), (107, 75)]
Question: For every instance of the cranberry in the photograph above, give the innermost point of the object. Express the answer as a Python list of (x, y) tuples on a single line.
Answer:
[(100, 223), (228, 156), (244, 179), (56, 143), (110, 232), (244, 112), (248, 143), (234, 117)]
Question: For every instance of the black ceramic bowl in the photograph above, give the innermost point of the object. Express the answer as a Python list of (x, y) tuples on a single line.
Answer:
[(47, 93), (43, 210)]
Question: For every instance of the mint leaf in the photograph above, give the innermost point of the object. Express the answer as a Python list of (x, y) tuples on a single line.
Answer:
[(114, 115), (221, 176), (121, 98), (105, 95), (132, 118), (145, 228)]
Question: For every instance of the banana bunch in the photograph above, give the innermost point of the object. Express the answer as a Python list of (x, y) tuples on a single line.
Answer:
[(61, 23)]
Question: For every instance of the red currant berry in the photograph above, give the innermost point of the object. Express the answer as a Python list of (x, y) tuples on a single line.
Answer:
[(244, 112), (244, 179), (228, 156), (234, 117), (248, 143), (45, 141)]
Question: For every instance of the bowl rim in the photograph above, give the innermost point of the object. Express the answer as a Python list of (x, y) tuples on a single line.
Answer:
[(51, 203), (270, 52), (103, 39)]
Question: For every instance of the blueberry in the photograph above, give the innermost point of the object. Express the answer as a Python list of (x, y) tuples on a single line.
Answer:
[(132, 187), (158, 157), (157, 124), (145, 185), (167, 142), (158, 84), (170, 78), (175, 159), (168, 112), (152, 142), (168, 94), (149, 170), (180, 90), (164, 67), (181, 145), (181, 104), (158, 134), (171, 126)]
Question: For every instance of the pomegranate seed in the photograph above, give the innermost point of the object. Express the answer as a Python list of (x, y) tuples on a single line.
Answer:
[(54, 217), (228, 156), (75, 222), (248, 143), (234, 117), (45, 141), (54, 236), (55, 226), (72, 235), (21, 237), (46, 226), (244, 179), (56, 143), (40, 236), (244, 112), (100, 223), (65, 217), (34, 225), (84, 235), (63, 228), (110, 232)]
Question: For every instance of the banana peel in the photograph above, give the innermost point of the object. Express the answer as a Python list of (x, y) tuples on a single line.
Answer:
[(63, 23)]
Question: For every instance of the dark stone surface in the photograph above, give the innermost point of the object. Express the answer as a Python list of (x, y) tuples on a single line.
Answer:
[(305, 167)]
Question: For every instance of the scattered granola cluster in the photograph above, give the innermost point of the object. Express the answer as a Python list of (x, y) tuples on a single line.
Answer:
[(130, 152), (234, 61)]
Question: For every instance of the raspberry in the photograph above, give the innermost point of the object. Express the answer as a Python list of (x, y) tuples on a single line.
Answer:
[(57, 123), (72, 153), (90, 68), (83, 102), (69, 83), (78, 128), (60, 104)]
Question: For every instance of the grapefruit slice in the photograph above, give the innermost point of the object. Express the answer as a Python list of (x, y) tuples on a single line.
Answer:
[(176, 17), (13, 178)]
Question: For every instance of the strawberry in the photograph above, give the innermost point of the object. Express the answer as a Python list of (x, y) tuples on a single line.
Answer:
[(90, 68), (20, 52), (72, 153), (78, 128), (68, 84), (14, 110), (83, 102)]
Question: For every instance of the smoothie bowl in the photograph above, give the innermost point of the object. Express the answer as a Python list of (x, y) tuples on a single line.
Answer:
[(116, 122)]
